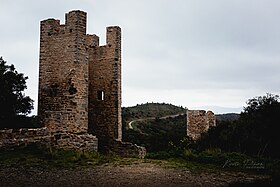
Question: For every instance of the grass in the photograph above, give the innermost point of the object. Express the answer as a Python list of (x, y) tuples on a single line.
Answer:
[(179, 163), (48, 157), (42, 156), (208, 160), (215, 160)]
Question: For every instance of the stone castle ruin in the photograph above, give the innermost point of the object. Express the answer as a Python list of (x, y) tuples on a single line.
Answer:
[(80, 81), (79, 99), (198, 122)]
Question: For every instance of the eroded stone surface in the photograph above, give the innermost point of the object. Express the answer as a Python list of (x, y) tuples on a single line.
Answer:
[(80, 81), (22, 137), (198, 122)]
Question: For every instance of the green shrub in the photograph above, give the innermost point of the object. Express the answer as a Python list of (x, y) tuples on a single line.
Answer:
[(189, 154), (159, 155)]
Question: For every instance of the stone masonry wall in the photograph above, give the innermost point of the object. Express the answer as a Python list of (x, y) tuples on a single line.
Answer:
[(63, 74), (211, 119), (79, 79), (198, 122), (11, 138), (105, 89), (127, 149), (80, 83)]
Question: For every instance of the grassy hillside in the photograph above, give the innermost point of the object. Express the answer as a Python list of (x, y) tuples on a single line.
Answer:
[(156, 134), (146, 124), (150, 110), (153, 131)]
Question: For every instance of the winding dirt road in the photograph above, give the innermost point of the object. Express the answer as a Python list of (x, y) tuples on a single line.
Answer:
[(153, 118)]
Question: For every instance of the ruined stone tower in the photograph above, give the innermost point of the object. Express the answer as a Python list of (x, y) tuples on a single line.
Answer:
[(105, 88), (80, 81), (198, 122)]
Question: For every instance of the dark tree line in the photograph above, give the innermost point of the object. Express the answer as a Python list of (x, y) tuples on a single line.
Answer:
[(14, 105), (255, 132)]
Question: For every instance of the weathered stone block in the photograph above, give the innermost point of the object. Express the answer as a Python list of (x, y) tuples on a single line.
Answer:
[(22, 137), (127, 149), (198, 122)]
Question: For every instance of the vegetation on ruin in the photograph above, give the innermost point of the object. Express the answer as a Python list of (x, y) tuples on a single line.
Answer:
[(14, 104)]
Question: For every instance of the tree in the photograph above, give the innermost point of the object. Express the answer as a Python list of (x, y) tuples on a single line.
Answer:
[(220, 136), (258, 126), (255, 132), (13, 101), (260, 103)]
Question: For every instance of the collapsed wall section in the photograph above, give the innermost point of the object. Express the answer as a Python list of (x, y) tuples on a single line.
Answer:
[(63, 74), (11, 138)]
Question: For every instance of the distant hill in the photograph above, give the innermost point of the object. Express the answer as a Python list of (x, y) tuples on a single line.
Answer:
[(153, 131), (150, 110), (162, 109), (146, 124), (227, 117)]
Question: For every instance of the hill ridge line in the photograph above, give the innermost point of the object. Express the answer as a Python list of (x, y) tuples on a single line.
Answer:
[(153, 118)]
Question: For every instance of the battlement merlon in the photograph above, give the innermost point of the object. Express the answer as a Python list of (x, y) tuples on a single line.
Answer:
[(92, 40), (49, 27), (113, 36), (75, 22)]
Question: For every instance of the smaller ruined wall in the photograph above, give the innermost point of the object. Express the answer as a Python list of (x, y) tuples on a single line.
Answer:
[(11, 138), (211, 119), (198, 122), (127, 149)]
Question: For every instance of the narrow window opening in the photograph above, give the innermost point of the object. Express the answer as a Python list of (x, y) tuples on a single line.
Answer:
[(100, 95)]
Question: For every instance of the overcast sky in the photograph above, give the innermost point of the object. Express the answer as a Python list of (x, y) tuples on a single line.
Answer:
[(194, 53)]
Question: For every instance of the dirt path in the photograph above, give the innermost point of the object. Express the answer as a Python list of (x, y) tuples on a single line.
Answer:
[(142, 119), (135, 174)]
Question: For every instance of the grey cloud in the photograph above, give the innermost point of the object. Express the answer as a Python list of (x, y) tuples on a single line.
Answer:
[(173, 45)]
